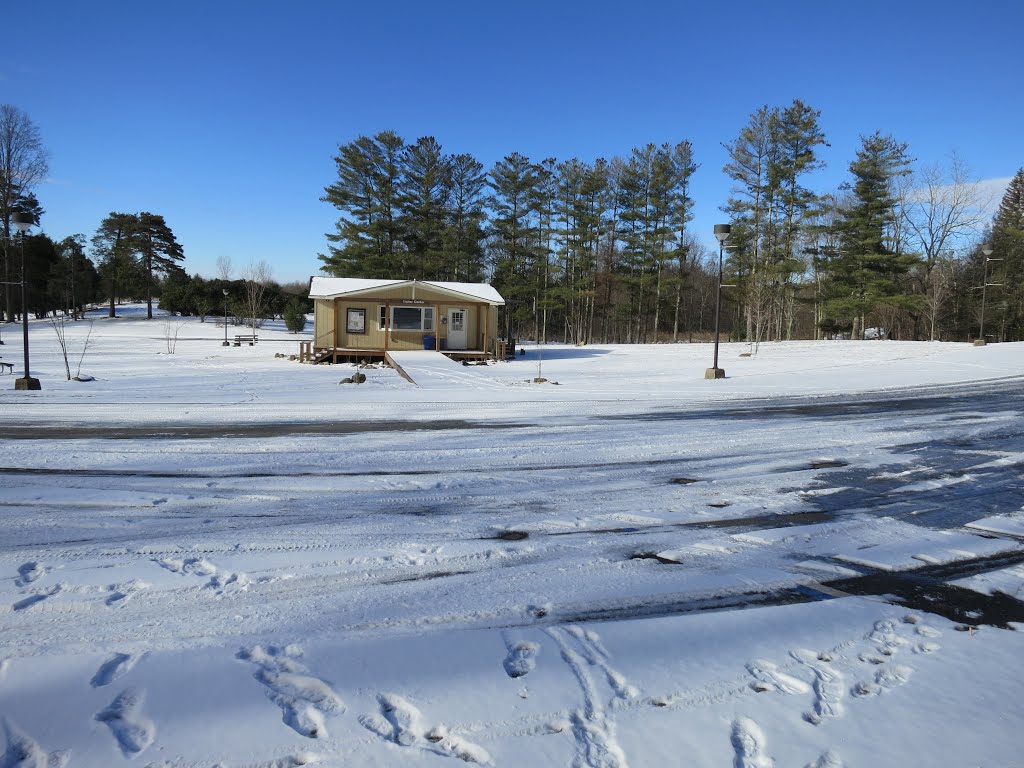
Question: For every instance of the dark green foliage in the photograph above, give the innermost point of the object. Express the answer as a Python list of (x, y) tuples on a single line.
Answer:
[(513, 182), (368, 237), (132, 249), (867, 271), (1007, 242), (770, 209), (294, 315), (408, 211), (74, 281)]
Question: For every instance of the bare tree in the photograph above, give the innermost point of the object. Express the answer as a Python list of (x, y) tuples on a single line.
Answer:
[(939, 286), (940, 207), (224, 267), (257, 278), (172, 328), (24, 162), (59, 324)]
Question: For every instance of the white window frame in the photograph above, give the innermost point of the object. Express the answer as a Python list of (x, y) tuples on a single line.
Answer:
[(427, 315)]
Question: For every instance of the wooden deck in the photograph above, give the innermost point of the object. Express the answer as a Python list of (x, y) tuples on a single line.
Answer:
[(310, 354)]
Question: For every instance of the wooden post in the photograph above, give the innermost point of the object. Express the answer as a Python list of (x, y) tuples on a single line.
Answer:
[(487, 314), (437, 325), (334, 336)]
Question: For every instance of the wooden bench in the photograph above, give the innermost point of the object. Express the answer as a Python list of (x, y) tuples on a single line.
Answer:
[(247, 338)]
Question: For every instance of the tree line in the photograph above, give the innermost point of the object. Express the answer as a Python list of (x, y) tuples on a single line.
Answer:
[(133, 255), (602, 251)]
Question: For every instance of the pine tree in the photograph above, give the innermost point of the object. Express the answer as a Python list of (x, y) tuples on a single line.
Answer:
[(1007, 240), (114, 247), (368, 237), (513, 181), (423, 195), (158, 251), (867, 272), (294, 315), (465, 217)]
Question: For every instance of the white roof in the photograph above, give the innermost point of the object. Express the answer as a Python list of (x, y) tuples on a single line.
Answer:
[(334, 287)]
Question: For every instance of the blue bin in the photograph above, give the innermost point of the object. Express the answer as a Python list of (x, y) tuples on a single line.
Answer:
[(428, 342)]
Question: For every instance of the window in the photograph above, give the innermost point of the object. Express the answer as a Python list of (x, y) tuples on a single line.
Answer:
[(382, 318), (410, 318)]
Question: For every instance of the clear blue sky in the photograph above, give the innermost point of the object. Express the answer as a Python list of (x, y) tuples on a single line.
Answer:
[(224, 116)]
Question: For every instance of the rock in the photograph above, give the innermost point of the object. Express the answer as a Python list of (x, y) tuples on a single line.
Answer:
[(346, 380), (358, 378)]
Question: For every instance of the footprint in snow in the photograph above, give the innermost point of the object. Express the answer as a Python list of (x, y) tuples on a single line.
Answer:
[(37, 598), (829, 686), (195, 566), (748, 743), (303, 699), (769, 678), (29, 572), (885, 679), (23, 751), (133, 731), (114, 667), (828, 760), (402, 723), (886, 637), (122, 593), (521, 658)]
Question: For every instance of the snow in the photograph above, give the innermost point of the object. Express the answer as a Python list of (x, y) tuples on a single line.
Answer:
[(212, 555), (333, 287)]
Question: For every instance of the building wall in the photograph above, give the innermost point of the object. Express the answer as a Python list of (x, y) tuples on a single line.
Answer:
[(328, 312)]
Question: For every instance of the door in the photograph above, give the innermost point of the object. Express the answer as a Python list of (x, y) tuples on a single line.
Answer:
[(457, 329)]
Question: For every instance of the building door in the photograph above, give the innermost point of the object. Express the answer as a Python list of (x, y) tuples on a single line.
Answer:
[(457, 329)]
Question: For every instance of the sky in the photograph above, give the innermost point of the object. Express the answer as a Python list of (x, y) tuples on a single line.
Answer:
[(225, 117)]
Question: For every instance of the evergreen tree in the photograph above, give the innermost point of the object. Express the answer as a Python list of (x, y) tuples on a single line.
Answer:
[(368, 237), (158, 251), (114, 247), (424, 191), (513, 181), (681, 206), (1007, 241), (294, 315), (799, 136), (465, 234), (74, 280), (866, 272)]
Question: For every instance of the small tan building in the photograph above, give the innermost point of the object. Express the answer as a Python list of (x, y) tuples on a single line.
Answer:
[(357, 317)]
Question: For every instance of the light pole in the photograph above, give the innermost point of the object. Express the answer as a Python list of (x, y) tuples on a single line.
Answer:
[(986, 249), (722, 232), (225, 344), (24, 221)]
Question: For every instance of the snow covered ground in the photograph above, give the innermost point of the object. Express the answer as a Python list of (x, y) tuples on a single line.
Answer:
[(212, 556)]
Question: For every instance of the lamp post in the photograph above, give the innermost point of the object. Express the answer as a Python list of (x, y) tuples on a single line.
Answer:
[(722, 232), (986, 249), (24, 221), (225, 344)]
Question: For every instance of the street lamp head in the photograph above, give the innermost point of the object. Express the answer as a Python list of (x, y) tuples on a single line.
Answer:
[(225, 291), (986, 249), (23, 221), (722, 232)]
